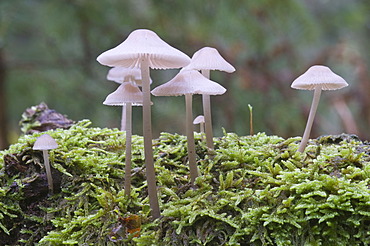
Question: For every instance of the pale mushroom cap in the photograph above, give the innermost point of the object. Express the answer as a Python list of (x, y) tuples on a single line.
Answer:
[(124, 74), (189, 82), (319, 76), (45, 142), (143, 42), (208, 58), (199, 119), (127, 92)]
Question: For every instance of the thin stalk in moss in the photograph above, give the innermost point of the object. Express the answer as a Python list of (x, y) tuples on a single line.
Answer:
[(48, 170), (128, 123), (190, 138), (147, 133), (206, 99), (311, 116), (251, 130)]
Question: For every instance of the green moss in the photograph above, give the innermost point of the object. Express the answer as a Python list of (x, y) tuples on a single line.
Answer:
[(254, 190)]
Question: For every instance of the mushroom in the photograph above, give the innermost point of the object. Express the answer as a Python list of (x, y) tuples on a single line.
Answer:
[(121, 75), (316, 78), (144, 49), (127, 94), (199, 120), (124, 74), (207, 59), (189, 82), (45, 142)]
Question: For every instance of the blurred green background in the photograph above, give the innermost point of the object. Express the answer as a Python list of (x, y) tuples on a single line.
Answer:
[(48, 53)]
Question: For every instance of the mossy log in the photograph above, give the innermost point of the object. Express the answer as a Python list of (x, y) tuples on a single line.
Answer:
[(252, 190)]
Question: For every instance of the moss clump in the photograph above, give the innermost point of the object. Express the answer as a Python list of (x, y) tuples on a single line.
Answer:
[(254, 190)]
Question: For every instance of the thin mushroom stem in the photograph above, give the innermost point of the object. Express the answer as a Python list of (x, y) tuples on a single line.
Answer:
[(201, 127), (148, 145), (307, 131), (128, 114), (206, 99), (123, 118), (190, 138), (48, 171)]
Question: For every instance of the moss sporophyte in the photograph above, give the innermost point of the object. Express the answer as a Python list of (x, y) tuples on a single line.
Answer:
[(251, 190)]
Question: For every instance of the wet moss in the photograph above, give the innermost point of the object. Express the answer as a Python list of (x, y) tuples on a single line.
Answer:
[(253, 190)]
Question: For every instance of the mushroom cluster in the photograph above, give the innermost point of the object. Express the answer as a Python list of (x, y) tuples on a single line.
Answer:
[(188, 83), (121, 75), (207, 59), (143, 49)]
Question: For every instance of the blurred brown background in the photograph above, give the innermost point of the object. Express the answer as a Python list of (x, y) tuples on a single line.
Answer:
[(48, 51)]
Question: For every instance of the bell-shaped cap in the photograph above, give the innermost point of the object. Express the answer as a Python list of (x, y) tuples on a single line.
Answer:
[(124, 74), (45, 142), (321, 76), (199, 119), (208, 58), (189, 82), (127, 92), (140, 43)]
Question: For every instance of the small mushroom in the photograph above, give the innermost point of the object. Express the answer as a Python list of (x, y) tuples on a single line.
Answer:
[(124, 74), (199, 120), (316, 78), (45, 142), (127, 94), (189, 82), (121, 75), (144, 49), (206, 59)]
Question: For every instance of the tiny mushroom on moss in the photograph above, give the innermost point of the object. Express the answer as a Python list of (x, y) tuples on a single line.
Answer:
[(199, 120), (189, 82), (316, 78), (144, 49), (206, 59), (127, 94), (45, 142)]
